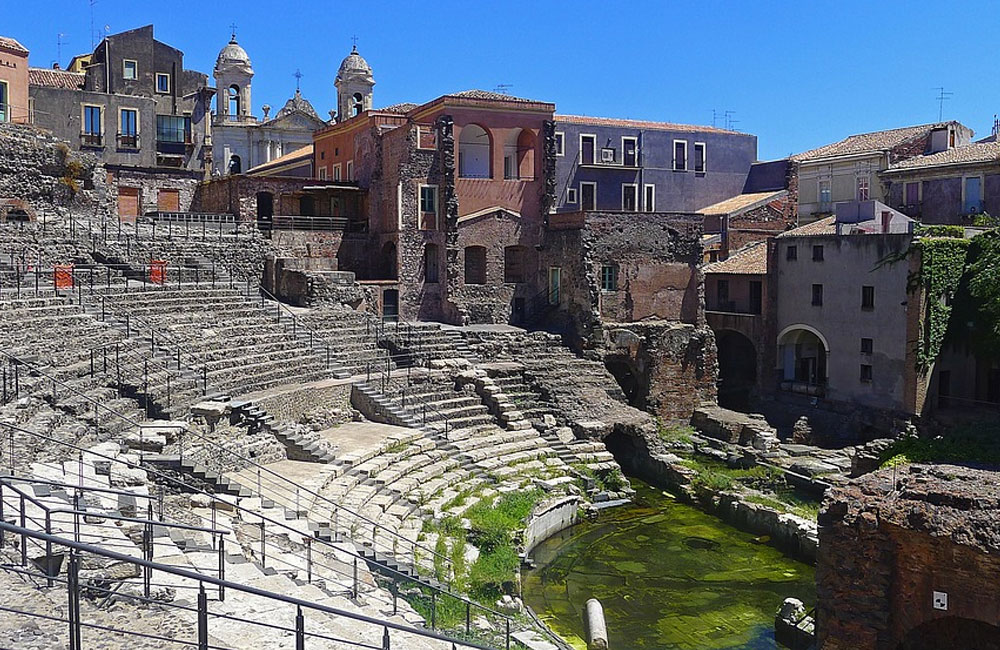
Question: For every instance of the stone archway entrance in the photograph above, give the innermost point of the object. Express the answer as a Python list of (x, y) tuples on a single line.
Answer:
[(737, 370), (629, 379), (952, 632), (803, 358)]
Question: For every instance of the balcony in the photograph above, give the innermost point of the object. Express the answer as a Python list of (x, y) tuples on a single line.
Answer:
[(803, 388), (128, 140), (91, 140)]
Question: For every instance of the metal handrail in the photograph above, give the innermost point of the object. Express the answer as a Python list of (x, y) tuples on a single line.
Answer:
[(203, 579), (260, 468), (170, 479)]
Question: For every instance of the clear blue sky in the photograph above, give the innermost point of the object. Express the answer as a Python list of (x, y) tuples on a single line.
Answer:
[(797, 74)]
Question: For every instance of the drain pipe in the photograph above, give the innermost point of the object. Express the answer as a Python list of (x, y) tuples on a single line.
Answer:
[(597, 629)]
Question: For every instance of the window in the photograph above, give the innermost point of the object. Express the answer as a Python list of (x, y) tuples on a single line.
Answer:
[(630, 155), (475, 152), (130, 70), (234, 102), (4, 108), (699, 156), (868, 298), (609, 277), (336, 172), (350, 170), (173, 128), (514, 264), (629, 198), (428, 207), (588, 147), (162, 82), (128, 128), (722, 290), (475, 265), (863, 182), (817, 297), (588, 196), (756, 296), (680, 155), (817, 253), (867, 346), (912, 194), (510, 166), (323, 173), (866, 373), (792, 253), (649, 198), (431, 263), (571, 195), (972, 201), (322, 155), (560, 143), (93, 129), (825, 195)]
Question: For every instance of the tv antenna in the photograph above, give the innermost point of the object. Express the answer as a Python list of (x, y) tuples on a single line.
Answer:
[(730, 122), (943, 96), (92, 32), (59, 43), (503, 89)]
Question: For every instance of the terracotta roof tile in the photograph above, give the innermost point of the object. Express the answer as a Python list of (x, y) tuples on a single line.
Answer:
[(977, 152), (56, 78), (826, 226), (491, 96), (749, 260), (869, 142), (304, 152), (401, 108), (742, 202), (11, 44), (639, 124)]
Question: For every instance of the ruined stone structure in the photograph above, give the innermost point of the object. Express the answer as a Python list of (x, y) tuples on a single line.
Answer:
[(908, 559)]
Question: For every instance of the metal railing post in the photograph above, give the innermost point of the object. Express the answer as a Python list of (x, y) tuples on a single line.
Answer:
[(300, 629), (24, 538), (354, 590), (309, 560), (73, 596), (48, 548), (385, 639), (222, 564), (433, 610), (263, 547), (202, 617)]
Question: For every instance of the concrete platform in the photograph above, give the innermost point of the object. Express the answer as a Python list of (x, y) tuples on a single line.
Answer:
[(355, 438)]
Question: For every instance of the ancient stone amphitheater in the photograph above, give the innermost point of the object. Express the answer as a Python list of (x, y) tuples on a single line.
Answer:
[(186, 462)]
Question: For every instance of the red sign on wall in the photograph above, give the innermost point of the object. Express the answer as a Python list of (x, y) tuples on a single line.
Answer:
[(63, 276), (157, 271)]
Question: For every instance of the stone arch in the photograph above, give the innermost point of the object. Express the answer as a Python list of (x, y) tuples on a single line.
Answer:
[(475, 152), (803, 356), (952, 632), (235, 164), (234, 100), (390, 263), (737, 369), (526, 153), (629, 378)]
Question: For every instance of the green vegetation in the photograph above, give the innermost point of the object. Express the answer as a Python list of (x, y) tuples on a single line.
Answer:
[(493, 527), (978, 444), (607, 480), (957, 232), (941, 269), (676, 433), (718, 476), (985, 220), (981, 307)]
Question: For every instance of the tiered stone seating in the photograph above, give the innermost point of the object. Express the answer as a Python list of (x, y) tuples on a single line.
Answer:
[(351, 336), (241, 347), (424, 342)]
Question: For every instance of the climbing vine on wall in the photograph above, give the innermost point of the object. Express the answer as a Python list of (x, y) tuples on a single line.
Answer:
[(983, 283), (941, 270)]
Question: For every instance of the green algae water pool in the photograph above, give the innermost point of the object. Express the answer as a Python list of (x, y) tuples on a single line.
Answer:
[(668, 575)]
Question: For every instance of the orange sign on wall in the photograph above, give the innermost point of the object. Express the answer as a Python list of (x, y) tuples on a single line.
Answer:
[(63, 275), (157, 271)]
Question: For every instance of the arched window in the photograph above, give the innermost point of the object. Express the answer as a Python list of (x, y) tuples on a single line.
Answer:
[(474, 152), (526, 154), (359, 104), (475, 265), (235, 164), (431, 263), (234, 100)]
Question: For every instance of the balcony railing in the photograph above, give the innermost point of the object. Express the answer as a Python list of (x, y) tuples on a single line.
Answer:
[(732, 307), (128, 141), (92, 139), (803, 387)]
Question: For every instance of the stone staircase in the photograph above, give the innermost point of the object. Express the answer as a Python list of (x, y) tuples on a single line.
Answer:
[(420, 343)]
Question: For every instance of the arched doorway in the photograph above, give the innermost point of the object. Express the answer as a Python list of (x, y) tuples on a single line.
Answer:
[(235, 164), (952, 632), (475, 152), (802, 358), (389, 262), (628, 379), (737, 370)]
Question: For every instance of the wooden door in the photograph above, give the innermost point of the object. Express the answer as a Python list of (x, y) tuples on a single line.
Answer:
[(168, 201), (128, 202)]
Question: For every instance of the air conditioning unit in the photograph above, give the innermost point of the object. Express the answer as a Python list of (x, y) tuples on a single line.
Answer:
[(607, 155)]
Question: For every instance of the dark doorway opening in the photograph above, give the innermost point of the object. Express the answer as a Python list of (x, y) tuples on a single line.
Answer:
[(265, 206), (629, 379), (390, 305), (952, 632), (737, 370)]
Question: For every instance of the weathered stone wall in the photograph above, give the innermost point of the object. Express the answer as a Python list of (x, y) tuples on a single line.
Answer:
[(149, 183), (672, 366), (292, 405), (42, 170), (892, 542)]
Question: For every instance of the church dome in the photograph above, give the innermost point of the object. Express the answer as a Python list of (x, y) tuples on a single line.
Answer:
[(354, 66), (232, 55)]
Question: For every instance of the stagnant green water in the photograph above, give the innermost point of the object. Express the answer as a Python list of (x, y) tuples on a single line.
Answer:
[(669, 576)]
